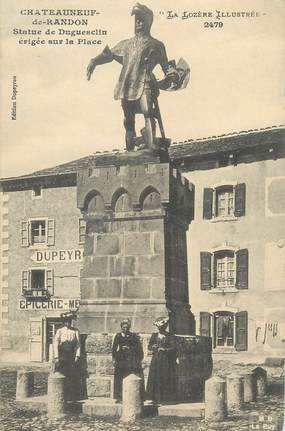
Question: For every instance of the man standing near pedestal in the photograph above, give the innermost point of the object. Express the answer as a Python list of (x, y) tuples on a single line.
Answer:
[(137, 87)]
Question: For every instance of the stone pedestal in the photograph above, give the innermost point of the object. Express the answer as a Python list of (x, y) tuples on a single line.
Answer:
[(56, 404), (235, 392), (260, 381), (249, 387), (215, 399), (25, 384), (137, 213), (132, 399)]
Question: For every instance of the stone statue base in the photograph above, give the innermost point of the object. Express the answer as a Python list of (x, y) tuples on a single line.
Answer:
[(137, 212)]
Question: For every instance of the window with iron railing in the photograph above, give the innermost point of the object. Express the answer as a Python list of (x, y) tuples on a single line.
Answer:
[(37, 283)]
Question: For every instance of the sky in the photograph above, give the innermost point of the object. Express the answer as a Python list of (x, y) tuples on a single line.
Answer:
[(236, 79)]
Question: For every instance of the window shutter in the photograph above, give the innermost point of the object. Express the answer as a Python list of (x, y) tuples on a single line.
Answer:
[(208, 203), (205, 266), (25, 281), (242, 269), (240, 200), (25, 234), (50, 232), (241, 330), (49, 281), (205, 324)]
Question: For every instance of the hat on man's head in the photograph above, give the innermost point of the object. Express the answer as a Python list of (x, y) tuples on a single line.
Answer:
[(68, 315), (161, 321)]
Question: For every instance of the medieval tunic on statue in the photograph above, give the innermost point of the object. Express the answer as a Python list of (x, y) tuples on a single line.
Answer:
[(161, 379), (139, 56), (127, 353)]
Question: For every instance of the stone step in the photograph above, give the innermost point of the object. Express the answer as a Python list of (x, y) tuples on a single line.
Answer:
[(37, 403), (101, 408), (107, 407), (189, 410)]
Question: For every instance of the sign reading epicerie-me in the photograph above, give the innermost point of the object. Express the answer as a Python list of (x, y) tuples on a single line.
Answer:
[(67, 256), (50, 304)]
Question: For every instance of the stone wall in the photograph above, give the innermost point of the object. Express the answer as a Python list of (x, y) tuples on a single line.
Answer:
[(135, 257), (194, 365)]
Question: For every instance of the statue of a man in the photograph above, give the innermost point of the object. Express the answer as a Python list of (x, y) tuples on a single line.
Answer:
[(137, 87)]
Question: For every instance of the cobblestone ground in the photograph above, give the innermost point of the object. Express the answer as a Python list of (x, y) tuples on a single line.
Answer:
[(266, 414)]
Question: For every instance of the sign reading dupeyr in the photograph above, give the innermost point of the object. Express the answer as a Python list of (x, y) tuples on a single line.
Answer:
[(67, 256), (50, 304)]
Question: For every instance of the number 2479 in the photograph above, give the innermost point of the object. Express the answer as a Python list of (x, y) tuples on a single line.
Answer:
[(215, 24)]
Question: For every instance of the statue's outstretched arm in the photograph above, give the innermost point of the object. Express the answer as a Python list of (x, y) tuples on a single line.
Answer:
[(106, 56)]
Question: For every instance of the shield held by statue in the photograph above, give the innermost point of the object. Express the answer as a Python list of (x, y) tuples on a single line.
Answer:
[(178, 80)]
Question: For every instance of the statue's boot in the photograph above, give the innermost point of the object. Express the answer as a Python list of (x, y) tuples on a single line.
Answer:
[(148, 134)]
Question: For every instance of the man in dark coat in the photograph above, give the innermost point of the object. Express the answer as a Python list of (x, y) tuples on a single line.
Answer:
[(127, 356), (161, 379)]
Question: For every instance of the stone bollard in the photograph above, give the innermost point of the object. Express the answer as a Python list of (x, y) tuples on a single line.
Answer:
[(260, 381), (215, 399), (235, 392), (25, 384), (249, 387), (132, 398), (56, 404)]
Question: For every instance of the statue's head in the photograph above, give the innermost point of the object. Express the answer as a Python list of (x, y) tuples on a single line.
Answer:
[(143, 18)]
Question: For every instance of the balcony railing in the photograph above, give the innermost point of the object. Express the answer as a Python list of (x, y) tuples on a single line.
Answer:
[(36, 293)]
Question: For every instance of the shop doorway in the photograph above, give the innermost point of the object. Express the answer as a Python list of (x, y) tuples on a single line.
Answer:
[(36, 339), (52, 326)]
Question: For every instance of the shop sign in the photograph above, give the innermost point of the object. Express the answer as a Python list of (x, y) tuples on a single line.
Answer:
[(55, 304), (54, 256)]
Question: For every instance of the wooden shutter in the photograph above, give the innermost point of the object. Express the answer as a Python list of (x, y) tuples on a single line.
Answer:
[(242, 269), (49, 281), (208, 203), (205, 324), (241, 330), (50, 232), (240, 200), (205, 266), (25, 281), (25, 234)]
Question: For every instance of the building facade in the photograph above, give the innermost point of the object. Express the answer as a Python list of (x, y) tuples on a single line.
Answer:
[(236, 247), (42, 250), (236, 242)]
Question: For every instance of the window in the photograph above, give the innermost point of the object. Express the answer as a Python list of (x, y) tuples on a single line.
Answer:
[(37, 192), (123, 202), (225, 201), (224, 269), (37, 282), (227, 329), (36, 232), (81, 230), (224, 329), (38, 279)]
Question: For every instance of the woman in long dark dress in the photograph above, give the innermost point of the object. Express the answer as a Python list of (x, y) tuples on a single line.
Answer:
[(161, 379), (127, 355)]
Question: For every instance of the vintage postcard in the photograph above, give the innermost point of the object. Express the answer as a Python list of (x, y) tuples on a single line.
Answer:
[(142, 214)]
